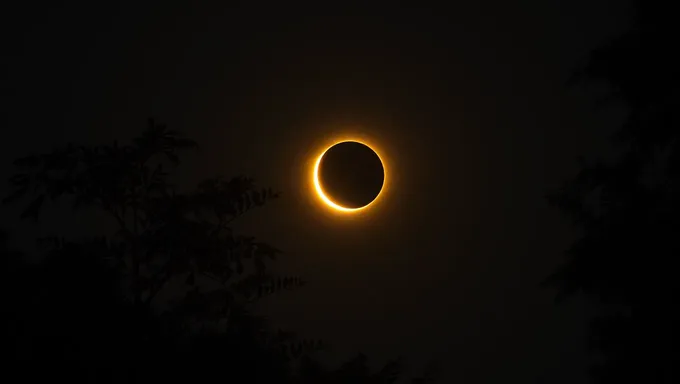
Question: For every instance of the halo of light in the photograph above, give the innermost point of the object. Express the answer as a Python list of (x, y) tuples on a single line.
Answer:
[(319, 189)]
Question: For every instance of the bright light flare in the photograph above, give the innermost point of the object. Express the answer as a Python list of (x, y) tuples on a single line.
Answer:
[(319, 189)]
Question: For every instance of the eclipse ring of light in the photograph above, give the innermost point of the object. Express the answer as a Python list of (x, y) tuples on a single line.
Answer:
[(375, 163)]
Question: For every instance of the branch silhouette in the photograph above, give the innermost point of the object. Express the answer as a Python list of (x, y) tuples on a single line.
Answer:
[(103, 294), (627, 209)]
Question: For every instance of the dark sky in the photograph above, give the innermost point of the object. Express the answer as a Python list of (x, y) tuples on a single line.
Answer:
[(468, 103)]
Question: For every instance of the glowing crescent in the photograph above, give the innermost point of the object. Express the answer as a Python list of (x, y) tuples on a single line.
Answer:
[(319, 189)]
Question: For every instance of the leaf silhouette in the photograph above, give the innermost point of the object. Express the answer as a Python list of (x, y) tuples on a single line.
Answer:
[(169, 243), (626, 208), (33, 209)]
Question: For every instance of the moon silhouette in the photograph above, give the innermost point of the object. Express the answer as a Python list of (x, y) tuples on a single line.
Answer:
[(349, 176)]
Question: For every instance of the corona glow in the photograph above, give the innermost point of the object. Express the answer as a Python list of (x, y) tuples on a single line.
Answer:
[(318, 188)]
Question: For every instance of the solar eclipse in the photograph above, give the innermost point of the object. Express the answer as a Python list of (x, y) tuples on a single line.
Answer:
[(349, 176)]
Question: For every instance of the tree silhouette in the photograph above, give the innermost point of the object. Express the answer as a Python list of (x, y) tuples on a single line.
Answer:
[(162, 234), (627, 209), (356, 370), (107, 290)]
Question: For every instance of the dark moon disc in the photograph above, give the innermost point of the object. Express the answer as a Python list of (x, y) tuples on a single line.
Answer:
[(351, 174)]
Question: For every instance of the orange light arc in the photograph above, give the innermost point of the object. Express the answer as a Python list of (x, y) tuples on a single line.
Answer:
[(322, 195)]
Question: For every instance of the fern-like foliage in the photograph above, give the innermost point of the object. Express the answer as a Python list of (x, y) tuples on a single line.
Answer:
[(181, 243), (163, 235)]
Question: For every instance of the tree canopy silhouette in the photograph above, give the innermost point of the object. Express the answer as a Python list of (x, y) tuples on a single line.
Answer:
[(102, 295), (627, 209)]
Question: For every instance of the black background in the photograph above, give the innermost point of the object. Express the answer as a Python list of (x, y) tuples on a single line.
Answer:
[(468, 103)]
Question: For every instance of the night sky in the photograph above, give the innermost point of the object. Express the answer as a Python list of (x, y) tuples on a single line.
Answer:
[(469, 106)]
